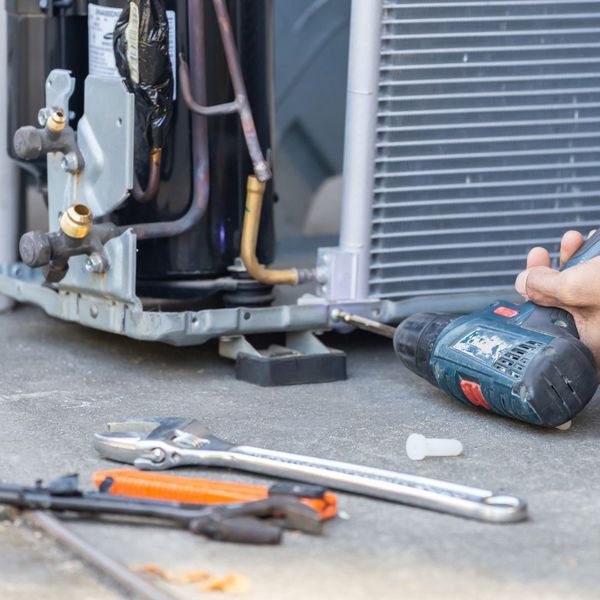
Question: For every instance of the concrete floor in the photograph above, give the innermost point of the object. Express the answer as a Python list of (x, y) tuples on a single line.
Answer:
[(60, 383)]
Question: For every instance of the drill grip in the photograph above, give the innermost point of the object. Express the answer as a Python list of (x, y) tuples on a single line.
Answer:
[(590, 249)]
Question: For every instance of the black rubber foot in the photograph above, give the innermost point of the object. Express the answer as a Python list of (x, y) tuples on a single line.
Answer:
[(291, 370)]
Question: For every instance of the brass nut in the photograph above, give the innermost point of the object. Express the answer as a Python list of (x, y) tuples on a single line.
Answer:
[(254, 186), (76, 222), (56, 121), (156, 156)]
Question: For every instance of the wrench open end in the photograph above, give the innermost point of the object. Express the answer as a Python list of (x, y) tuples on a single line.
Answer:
[(505, 509)]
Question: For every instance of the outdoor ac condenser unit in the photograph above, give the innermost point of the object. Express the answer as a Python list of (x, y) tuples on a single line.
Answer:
[(472, 134)]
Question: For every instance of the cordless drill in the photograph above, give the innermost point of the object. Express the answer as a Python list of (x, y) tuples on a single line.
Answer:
[(522, 361)]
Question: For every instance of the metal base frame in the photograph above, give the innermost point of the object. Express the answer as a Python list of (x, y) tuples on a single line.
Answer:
[(189, 328)]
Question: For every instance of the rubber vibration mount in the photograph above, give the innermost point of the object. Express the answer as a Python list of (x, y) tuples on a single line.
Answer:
[(294, 369)]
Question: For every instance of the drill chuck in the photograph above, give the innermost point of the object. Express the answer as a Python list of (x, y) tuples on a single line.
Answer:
[(414, 341)]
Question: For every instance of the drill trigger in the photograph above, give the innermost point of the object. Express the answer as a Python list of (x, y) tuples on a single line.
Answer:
[(473, 393)]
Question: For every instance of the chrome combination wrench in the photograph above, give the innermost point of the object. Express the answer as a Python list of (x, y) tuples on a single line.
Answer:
[(164, 443)]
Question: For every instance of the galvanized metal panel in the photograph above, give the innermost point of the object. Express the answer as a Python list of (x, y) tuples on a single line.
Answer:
[(488, 140)]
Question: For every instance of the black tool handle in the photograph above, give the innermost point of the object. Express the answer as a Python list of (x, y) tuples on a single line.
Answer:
[(242, 530)]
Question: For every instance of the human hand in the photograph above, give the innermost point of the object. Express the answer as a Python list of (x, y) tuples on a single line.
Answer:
[(576, 290)]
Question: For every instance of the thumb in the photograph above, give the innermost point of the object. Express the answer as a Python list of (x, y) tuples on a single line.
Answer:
[(540, 285), (570, 243)]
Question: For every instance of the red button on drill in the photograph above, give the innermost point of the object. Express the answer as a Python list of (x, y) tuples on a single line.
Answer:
[(504, 311), (473, 393)]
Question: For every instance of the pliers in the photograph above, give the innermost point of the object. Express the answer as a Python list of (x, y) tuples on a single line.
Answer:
[(240, 522)]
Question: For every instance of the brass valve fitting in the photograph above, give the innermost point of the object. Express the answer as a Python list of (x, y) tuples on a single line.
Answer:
[(76, 222), (56, 121)]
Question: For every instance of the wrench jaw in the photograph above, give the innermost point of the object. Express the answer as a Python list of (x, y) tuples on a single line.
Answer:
[(120, 446), (121, 439), (157, 455), (161, 443)]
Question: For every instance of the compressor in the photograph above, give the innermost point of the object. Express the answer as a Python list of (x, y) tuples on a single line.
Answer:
[(147, 127), (178, 154)]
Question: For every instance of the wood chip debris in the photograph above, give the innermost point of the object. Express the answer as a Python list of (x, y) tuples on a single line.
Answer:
[(231, 583), (153, 570)]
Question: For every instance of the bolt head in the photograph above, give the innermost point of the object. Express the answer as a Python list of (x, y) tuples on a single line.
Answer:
[(69, 163), (43, 116), (158, 455), (94, 264)]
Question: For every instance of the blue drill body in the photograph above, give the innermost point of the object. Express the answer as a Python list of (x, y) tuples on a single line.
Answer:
[(521, 361)]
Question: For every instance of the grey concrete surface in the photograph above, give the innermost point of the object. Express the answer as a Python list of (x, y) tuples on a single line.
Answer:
[(60, 383)]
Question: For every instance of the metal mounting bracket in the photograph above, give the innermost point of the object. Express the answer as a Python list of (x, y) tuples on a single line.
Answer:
[(59, 89), (337, 272), (105, 139)]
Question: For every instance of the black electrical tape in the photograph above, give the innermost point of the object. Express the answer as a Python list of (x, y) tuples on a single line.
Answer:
[(141, 46)]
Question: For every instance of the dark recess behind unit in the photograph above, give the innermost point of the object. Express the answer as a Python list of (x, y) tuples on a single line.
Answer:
[(208, 249), (37, 43)]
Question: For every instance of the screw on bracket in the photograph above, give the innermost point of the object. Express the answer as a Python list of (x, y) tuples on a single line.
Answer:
[(95, 263)]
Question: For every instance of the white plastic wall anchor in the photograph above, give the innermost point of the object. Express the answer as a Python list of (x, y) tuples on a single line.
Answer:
[(418, 447)]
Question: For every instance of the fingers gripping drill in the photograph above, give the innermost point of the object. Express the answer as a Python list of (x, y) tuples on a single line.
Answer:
[(521, 361)]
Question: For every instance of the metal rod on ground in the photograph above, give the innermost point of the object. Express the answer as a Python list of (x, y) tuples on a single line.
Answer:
[(363, 323), (118, 573)]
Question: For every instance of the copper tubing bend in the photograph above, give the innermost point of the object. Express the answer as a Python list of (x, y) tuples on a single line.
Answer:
[(254, 201), (153, 179), (241, 104)]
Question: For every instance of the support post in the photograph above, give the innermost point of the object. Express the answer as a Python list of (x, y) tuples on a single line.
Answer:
[(359, 145)]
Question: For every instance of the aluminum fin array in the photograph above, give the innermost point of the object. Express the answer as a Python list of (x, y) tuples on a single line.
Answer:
[(488, 140)]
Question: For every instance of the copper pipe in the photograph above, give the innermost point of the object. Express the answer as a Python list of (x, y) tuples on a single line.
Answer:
[(194, 94), (241, 105), (262, 169), (199, 203), (153, 179), (254, 200), (188, 97)]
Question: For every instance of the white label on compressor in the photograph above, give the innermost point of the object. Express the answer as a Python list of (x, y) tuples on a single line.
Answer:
[(101, 24), (132, 35)]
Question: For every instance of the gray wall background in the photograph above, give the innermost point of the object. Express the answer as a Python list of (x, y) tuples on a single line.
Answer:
[(311, 50)]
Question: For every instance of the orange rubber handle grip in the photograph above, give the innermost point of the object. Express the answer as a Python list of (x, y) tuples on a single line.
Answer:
[(192, 490)]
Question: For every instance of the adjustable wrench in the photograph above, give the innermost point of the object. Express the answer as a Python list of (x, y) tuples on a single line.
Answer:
[(164, 443)]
